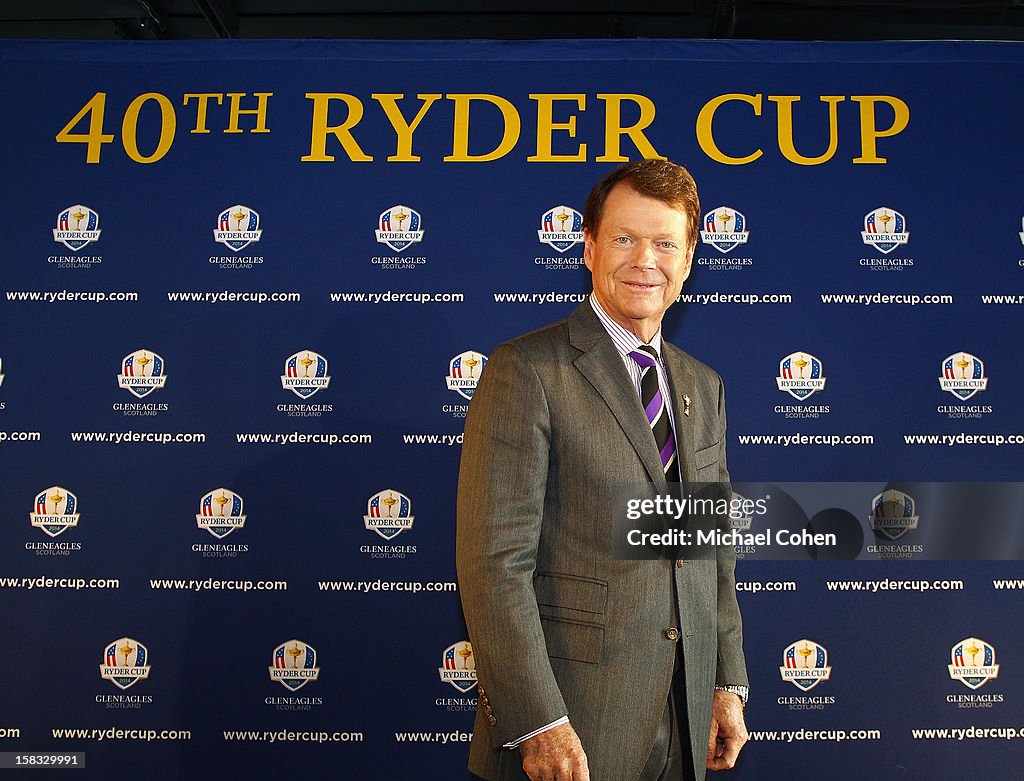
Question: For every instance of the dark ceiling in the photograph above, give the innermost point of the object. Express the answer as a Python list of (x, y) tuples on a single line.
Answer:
[(515, 19)]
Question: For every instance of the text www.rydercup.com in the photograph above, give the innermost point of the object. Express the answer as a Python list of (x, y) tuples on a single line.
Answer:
[(449, 440), (292, 736), (434, 737)]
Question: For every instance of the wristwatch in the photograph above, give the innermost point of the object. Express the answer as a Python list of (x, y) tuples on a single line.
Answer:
[(743, 692)]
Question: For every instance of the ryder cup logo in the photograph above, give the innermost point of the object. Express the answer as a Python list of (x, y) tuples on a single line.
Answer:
[(973, 662), (125, 662), (56, 510), (399, 227), (389, 513), (77, 226), (561, 227), (220, 512), (464, 372), (885, 229), (893, 514), (724, 229), (740, 516), (294, 665), (963, 375), (142, 372), (800, 375), (805, 664), (305, 373), (237, 227), (458, 667)]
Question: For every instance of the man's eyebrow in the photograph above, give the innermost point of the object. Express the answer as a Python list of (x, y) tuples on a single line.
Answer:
[(639, 230)]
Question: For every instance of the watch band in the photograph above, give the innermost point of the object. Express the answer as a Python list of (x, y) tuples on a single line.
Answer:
[(743, 692)]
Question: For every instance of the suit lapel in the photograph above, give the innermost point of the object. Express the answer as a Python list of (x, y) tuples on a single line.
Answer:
[(681, 382), (601, 364)]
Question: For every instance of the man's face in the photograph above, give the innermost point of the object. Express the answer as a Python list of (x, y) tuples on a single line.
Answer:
[(639, 258)]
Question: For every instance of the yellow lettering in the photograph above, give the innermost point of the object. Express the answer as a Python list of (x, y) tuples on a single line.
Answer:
[(95, 138), (785, 128), (129, 126), (320, 129), (546, 126), (613, 129), (235, 110), (705, 136), (460, 140), (404, 130), (201, 100), (869, 132)]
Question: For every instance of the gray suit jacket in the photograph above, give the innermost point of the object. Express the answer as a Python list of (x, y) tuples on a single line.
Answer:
[(557, 625)]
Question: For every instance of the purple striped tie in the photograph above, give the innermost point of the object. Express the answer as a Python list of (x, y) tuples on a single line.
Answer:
[(654, 406)]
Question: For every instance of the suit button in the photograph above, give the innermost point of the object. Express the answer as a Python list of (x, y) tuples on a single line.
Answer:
[(491, 720), (671, 634), (488, 710), (680, 562)]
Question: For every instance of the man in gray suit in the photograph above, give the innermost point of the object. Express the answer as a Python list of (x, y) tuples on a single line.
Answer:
[(590, 667)]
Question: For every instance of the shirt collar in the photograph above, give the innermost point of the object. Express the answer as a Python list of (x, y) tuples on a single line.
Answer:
[(625, 341)]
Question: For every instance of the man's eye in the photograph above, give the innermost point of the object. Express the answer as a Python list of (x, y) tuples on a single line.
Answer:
[(622, 239)]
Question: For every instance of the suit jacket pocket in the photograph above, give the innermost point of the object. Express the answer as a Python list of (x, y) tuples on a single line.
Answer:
[(572, 596), (575, 640)]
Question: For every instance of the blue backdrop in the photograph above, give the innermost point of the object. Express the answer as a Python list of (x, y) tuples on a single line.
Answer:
[(247, 288)]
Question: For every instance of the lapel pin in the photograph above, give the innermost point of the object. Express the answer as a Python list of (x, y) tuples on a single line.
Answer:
[(686, 406)]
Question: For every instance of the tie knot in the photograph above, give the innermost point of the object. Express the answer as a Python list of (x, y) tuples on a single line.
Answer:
[(645, 356)]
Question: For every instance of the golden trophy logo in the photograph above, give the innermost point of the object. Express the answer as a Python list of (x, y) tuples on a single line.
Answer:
[(464, 372), (142, 372), (963, 375), (973, 662), (220, 512), (885, 229), (77, 226), (458, 666), (399, 227), (805, 664), (893, 514), (561, 228), (125, 662), (800, 375), (724, 229), (305, 373), (389, 513), (56, 510), (238, 226), (295, 665)]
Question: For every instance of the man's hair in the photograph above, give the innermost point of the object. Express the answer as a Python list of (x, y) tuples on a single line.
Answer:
[(661, 180)]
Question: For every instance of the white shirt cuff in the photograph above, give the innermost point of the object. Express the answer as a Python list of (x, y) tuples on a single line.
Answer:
[(545, 728)]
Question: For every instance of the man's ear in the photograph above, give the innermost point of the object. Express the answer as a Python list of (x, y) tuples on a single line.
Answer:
[(588, 243)]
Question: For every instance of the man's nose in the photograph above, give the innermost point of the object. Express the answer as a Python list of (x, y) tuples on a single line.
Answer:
[(643, 256)]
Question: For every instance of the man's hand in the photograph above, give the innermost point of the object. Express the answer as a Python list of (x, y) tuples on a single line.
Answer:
[(555, 755), (728, 732)]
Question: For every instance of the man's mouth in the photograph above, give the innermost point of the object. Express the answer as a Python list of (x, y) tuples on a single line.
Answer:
[(641, 285)]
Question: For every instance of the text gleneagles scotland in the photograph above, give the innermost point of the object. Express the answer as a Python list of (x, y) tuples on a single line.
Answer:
[(543, 127)]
